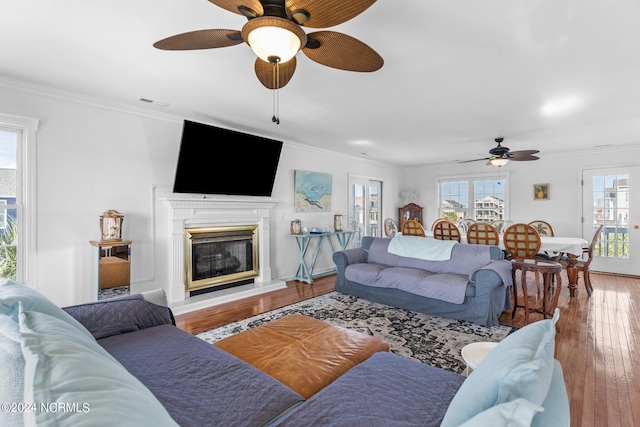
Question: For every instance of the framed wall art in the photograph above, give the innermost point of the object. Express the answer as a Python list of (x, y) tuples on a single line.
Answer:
[(540, 191), (313, 191)]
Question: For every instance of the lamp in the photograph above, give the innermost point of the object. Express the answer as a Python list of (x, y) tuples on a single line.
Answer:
[(498, 161), (273, 39)]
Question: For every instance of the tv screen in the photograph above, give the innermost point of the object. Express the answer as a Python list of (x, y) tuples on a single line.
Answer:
[(213, 160)]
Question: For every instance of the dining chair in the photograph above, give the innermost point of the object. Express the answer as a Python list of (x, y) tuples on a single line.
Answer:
[(390, 227), (583, 264), (446, 230), (482, 233), (542, 227), (437, 221), (411, 227), (463, 224), (499, 225), (522, 242)]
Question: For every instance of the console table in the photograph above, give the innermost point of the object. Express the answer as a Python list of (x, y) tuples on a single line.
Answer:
[(304, 271)]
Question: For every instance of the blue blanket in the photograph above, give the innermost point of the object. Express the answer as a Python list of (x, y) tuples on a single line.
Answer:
[(421, 247)]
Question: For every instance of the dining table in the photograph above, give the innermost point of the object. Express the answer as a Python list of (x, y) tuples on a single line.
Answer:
[(570, 247)]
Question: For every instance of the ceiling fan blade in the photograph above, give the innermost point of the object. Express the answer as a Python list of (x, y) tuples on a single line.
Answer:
[(265, 73), (341, 51), (326, 13), (522, 153), (241, 7), (201, 39), (523, 158), (475, 160)]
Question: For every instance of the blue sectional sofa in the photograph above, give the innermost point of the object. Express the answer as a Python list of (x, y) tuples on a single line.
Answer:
[(442, 278), (122, 362)]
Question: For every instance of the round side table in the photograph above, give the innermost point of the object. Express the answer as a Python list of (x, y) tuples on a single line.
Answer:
[(550, 272), (474, 353)]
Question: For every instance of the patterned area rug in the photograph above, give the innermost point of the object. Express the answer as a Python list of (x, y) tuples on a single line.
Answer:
[(429, 339)]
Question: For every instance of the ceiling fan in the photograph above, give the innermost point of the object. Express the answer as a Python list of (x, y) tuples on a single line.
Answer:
[(500, 155), (274, 32)]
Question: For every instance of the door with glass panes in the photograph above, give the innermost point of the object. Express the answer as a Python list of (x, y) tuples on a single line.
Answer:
[(365, 200), (611, 197)]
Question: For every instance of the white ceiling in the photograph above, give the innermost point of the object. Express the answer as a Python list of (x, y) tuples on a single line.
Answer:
[(457, 73)]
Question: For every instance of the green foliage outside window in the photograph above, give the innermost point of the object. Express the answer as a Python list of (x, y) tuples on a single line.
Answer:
[(8, 253)]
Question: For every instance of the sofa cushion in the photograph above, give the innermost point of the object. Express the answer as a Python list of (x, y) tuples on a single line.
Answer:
[(520, 366), (447, 287), (11, 293), (79, 382), (200, 385), (384, 390)]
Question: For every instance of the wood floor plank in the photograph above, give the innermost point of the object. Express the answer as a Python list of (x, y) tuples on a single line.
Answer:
[(597, 341)]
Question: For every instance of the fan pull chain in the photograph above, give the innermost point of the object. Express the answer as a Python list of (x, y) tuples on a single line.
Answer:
[(276, 92)]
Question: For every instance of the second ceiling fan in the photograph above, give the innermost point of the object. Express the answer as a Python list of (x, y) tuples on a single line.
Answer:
[(500, 155)]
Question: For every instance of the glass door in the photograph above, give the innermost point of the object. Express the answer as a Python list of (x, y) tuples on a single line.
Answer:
[(364, 207), (608, 199)]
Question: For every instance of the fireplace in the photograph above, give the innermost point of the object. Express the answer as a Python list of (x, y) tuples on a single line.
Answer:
[(176, 213), (216, 256)]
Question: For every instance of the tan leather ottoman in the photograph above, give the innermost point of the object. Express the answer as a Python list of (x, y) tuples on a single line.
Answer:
[(303, 353)]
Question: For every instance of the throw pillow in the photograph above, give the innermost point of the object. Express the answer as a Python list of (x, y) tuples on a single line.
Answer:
[(11, 293), (73, 382), (11, 372), (520, 366)]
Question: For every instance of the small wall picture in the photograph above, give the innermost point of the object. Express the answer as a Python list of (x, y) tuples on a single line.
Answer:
[(540, 191), (313, 191)]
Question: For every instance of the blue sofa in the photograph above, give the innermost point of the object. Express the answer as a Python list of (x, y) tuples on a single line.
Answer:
[(122, 362), (471, 284)]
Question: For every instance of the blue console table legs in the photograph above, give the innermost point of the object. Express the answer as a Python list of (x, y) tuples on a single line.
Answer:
[(304, 271)]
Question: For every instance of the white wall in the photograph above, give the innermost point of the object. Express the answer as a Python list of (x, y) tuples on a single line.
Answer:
[(563, 172), (93, 156)]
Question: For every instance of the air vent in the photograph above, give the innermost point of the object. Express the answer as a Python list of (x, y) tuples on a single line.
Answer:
[(151, 101)]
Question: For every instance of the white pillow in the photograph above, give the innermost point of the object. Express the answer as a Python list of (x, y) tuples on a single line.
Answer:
[(79, 383)]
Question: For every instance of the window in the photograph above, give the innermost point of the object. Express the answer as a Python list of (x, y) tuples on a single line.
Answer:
[(481, 198), (17, 196)]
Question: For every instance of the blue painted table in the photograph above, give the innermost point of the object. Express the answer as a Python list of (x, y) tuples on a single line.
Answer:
[(304, 271)]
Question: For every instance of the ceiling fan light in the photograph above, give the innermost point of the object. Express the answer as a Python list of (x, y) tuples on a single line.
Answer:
[(272, 37), (498, 161)]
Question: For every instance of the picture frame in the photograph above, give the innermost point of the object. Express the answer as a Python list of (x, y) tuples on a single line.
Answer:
[(541, 191), (313, 191)]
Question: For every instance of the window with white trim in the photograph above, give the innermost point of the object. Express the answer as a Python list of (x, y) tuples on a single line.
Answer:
[(477, 198), (17, 197)]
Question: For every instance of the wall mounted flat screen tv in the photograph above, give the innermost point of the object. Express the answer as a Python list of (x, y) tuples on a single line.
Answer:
[(213, 160)]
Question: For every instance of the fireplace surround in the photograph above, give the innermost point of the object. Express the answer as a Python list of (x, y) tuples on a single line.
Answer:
[(177, 213)]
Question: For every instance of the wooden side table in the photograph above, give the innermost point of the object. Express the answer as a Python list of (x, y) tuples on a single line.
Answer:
[(550, 272)]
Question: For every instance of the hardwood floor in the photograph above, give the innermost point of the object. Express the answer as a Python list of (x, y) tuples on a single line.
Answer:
[(597, 343)]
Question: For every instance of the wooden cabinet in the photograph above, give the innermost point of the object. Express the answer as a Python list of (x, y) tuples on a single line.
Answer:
[(111, 264), (410, 211)]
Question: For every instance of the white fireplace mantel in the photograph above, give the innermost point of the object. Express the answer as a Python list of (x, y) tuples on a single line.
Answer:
[(177, 212)]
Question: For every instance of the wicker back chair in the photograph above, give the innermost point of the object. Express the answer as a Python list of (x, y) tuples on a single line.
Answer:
[(482, 233), (521, 241), (411, 227), (446, 230)]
